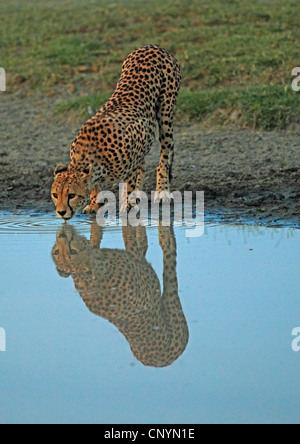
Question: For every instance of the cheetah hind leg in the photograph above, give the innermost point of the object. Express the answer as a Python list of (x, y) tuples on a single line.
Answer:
[(164, 170), (165, 118), (93, 207)]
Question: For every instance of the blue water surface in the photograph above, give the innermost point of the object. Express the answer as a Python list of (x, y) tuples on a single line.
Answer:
[(239, 289)]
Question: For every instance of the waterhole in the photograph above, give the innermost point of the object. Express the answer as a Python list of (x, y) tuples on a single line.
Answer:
[(146, 325)]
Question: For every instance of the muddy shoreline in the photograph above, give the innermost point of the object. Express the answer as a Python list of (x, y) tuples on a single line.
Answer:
[(246, 176)]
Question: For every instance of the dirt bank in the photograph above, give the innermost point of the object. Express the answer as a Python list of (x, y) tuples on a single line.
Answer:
[(247, 175)]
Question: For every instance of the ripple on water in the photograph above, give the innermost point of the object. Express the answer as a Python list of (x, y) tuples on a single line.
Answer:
[(33, 223), (26, 223), (49, 223)]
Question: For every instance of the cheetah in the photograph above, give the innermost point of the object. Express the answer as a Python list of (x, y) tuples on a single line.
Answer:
[(122, 287), (112, 145)]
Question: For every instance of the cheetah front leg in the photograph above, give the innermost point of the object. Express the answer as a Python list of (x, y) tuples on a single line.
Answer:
[(135, 240), (140, 177), (134, 184), (93, 207), (96, 235)]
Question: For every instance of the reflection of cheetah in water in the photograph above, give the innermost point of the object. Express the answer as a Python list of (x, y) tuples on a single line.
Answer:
[(111, 146), (122, 287)]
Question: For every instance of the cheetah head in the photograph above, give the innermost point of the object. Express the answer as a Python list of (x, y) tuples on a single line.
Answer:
[(70, 190), (71, 252)]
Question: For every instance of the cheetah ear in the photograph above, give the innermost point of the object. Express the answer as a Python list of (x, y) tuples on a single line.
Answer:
[(60, 169)]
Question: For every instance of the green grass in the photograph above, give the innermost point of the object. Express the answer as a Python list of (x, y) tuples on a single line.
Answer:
[(236, 55)]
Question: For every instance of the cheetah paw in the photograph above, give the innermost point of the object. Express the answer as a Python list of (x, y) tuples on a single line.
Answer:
[(124, 207), (163, 196), (91, 209), (131, 201), (136, 197)]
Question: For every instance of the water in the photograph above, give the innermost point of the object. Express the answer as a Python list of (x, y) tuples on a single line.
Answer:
[(90, 339)]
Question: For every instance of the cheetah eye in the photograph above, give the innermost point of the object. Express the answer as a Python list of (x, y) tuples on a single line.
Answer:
[(55, 195), (56, 252), (73, 252), (71, 196)]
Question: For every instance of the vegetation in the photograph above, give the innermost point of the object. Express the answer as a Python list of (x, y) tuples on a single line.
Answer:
[(236, 55)]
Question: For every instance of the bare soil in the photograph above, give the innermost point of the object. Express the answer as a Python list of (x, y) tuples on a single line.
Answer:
[(249, 176)]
